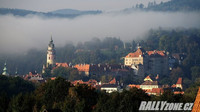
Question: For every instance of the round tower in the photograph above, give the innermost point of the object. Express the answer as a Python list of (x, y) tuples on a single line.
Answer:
[(51, 54)]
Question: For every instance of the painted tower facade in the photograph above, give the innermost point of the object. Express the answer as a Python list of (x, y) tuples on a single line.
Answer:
[(51, 54)]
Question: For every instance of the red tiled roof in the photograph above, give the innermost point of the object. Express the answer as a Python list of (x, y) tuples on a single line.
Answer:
[(62, 65), (157, 90), (27, 76), (178, 92), (150, 83), (133, 85), (147, 90), (179, 80), (148, 77), (113, 81), (155, 52), (83, 67), (90, 82), (137, 53), (173, 86), (77, 82), (53, 78)]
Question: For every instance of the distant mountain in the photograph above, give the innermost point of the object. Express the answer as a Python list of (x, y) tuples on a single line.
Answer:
[(62, 13), (73, 11)]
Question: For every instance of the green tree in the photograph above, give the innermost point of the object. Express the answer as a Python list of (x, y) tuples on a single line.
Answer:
[(22, 103), (52, 92), (195, 72)]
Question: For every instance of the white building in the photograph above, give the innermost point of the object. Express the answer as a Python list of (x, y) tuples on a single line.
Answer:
[(109, 88)]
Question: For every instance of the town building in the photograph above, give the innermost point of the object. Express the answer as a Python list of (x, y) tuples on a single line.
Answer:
[(149, 84), (83, 68), (109, 88), (147, 62), (34, 77), (152, 87), (178, 84)]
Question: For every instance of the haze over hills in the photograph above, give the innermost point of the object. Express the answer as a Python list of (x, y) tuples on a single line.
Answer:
[(170, 6), (63, 13), (73, 11)]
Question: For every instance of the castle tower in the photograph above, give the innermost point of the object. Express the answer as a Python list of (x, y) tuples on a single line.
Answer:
[(51, 54), (5, 70)]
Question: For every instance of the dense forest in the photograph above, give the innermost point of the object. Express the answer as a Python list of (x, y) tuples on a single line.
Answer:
[(169, 6), (59, 95), (175, 5)]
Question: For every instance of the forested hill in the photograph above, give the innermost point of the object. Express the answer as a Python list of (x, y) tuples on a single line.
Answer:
[(64, 13), (170, 6), (176, 5)]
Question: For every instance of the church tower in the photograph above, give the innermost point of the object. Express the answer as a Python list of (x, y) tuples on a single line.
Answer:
[(51, 54), (5, 70)]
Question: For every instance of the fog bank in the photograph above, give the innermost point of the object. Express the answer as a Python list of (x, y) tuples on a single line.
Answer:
[(18, 34)]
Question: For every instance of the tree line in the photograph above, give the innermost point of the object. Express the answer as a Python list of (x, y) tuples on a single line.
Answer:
[(62, 96)]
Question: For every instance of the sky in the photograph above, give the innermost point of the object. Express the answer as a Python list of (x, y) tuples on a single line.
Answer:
[(18, 34), (50, 5)]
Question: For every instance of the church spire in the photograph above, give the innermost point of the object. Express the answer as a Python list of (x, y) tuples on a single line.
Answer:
[(5, 70)]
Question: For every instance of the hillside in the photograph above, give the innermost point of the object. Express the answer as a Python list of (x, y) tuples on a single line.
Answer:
[(170, 6), (63, 13)]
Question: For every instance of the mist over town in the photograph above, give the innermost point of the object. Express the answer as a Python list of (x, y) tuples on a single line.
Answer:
[(99, 55)]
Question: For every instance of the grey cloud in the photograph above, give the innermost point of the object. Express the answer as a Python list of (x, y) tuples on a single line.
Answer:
[(22, 33)]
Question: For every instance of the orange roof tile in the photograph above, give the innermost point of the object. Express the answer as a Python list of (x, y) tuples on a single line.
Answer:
[(133, 85), (179, 80), (157, 90), (77, 82), (62, 65), (147, 90), (83, 67), (136, 53), (53, 78), (161, 53), (148, 78), (173, 86), (113, 81), (178, 92)]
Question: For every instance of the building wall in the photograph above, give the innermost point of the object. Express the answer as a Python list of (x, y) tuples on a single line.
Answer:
[(109, 90), (148, 86), (133, 60), (151, 65)]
